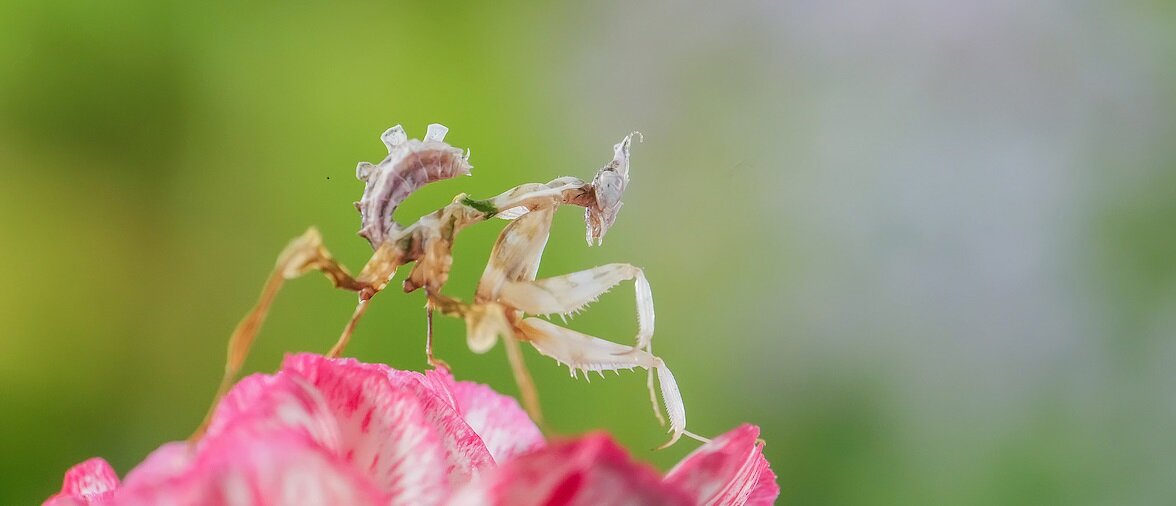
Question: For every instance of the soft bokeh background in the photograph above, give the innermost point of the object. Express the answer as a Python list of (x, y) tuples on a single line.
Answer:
[(930, 247)]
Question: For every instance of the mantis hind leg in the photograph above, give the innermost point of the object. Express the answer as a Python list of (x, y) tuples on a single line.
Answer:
[(432, 360), (349, 329), (302, 255), (522, 377)]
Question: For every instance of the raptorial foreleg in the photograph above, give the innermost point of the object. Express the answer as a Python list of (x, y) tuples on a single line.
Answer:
[(587, 353), (570, 293)]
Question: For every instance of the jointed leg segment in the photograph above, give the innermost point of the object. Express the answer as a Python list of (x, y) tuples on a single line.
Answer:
[(587, 353), (522, 377), (302, 255), (349, 329), (432, 360), (571, 293)]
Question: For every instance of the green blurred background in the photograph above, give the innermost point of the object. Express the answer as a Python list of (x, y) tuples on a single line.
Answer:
[(930, 247)]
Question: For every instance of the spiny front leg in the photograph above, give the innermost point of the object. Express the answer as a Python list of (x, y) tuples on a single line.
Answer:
[(587, 353), (515, 257), (302, 255), (570, 293)]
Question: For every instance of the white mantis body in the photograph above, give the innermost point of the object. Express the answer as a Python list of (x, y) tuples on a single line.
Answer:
[(508, 291)]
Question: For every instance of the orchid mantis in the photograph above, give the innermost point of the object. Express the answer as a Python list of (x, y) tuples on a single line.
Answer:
[(508, 291)]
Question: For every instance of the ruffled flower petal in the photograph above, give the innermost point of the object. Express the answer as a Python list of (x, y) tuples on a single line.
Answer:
[(166, 462), (465, 454), (384, 429), (91, 482), (278, 401), (766, 490), (337, 431), (502, 424), (588, 471), (283, 467), (730, 470)]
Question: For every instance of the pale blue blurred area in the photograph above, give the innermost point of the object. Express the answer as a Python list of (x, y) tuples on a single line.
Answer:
[(929, 247)]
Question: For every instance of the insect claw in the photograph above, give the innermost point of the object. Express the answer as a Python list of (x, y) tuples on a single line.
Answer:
[(668, 444), (705, 440)]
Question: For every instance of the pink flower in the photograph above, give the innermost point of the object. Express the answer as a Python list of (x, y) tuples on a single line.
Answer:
[(337, 431), (730, 470), (91, 482)]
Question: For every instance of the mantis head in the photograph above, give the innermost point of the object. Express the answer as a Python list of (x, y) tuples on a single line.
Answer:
[(609, 184)]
